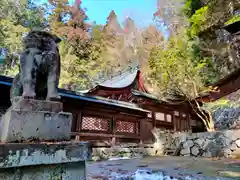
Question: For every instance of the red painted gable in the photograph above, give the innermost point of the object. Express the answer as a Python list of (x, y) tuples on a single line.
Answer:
[(120, 87)]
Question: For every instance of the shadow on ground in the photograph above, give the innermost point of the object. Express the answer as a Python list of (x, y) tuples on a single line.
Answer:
[(173, 166)]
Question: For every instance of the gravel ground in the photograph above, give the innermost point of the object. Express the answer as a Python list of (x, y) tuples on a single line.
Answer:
[(157, 168)]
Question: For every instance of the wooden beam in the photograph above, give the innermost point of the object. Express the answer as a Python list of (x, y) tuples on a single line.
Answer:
[(226, 86), (127, 136), (163, 123), (93, 144)]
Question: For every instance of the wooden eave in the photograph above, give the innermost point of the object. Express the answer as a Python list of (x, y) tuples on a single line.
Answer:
[(224, 87), (7, 81)]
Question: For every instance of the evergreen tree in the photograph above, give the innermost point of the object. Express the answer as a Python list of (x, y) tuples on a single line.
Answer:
[(82, 47), (17, 18)]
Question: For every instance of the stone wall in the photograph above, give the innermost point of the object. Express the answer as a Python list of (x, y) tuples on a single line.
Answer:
[(123, 151), (226, 118), (163, 140), (207, 144)]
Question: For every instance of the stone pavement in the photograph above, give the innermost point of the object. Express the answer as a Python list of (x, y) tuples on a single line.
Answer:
[(197, 168)]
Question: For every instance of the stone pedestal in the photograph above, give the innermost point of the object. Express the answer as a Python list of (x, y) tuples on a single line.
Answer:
[(54, 157), (35, 120), (20, 104), (65, 161)]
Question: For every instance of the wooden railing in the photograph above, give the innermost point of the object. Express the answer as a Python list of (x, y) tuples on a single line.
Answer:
[(113, 128), (110, 130)]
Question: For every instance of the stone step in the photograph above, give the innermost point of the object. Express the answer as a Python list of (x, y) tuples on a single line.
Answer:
[(22, 161), (28, 125), (21, 104), (169, 151)]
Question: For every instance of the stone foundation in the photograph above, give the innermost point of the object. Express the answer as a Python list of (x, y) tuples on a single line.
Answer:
[(64, 161), (123, 151), (207, 144), (212, 144)]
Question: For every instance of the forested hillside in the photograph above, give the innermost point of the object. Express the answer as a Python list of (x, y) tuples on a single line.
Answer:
[(195, 52)]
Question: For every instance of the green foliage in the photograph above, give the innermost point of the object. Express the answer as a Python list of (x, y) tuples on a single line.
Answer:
[(24, 13), (198, 20), (233, 20), (191, 6), (89, 53), (16, 20), (174, 69), (221, 103), (12, 35), (206, 19), (82, 52)]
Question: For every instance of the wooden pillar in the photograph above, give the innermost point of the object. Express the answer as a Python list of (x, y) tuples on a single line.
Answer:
[(179, 123), (165, 117), (138, 127), (153, 124), (74, 122), (154, 119), (113, 124), (141, 126), (185, 124), (174, 123), (188, 122), (78, 124), (141, 131)]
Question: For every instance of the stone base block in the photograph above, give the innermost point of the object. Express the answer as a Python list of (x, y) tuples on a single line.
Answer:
[(21, 104), (35, 125), (65, 161)]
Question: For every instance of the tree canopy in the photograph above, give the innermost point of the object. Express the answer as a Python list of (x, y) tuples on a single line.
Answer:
[(196, 53)]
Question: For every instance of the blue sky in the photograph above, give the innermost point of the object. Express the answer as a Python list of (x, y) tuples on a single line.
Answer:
[(141, 11)]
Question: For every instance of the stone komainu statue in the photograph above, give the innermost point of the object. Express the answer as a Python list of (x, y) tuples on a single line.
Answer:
[(39, 67)]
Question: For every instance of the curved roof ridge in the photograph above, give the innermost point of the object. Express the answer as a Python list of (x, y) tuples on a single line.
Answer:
[(123, 80)]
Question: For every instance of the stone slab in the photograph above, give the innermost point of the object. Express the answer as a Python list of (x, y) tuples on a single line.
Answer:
[(22, 104), (29, 125), (24, 154), (64, 161), (67, 171)]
